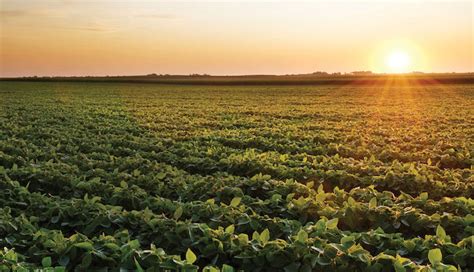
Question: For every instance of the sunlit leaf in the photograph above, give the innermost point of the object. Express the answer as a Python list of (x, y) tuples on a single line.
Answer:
[(373, 203), (302, 236), (230, 229), (423, 196), (235, 201), (332, 224), (227, 268), (190, 256), (440, 233), (435, 256), (265, 236)]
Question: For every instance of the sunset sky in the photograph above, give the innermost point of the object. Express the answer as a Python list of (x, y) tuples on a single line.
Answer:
[(103, 37)]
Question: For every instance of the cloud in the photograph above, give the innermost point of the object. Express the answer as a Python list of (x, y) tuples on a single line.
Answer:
[(85, 28), (15, 13), (30, 13), (90, 26), (40, 19), (157, 16)]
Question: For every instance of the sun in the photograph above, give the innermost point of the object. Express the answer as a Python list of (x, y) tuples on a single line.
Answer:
[(398, 56), (398, 61)]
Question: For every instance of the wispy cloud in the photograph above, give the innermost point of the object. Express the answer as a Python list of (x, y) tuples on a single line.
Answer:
[(71, 28), (29, 13), (86, 28), (156, 16), (41, 19), (13, 13)]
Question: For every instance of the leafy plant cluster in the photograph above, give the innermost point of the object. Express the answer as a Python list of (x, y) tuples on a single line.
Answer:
[(153, 178)]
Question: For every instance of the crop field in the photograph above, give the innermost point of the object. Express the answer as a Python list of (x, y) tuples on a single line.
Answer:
[(149, 177)]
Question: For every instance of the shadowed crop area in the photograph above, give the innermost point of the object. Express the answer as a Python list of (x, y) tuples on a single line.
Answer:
[(151, 177)]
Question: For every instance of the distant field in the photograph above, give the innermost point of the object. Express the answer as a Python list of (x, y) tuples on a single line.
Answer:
[(266, 80), (259, 178)]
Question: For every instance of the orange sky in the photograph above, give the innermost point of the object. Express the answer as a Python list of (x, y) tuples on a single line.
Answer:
[(105, 37)]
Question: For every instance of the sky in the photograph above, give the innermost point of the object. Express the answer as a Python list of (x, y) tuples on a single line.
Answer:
[(127, 37)]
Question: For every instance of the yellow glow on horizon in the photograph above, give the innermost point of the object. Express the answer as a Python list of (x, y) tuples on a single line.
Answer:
[(400, 56), (398, 62)]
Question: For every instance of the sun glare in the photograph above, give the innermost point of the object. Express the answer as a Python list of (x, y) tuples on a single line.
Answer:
[(398, 62)]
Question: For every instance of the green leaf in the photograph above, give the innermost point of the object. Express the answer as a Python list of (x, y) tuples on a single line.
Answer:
[(383, 256), (423, 196), (95, 180), (347, 239), (332, 224), (134, 244), (440, 232), (321, 225), (190, 256), (46, 262), (227, 268), (435, 256), (409, 244), (302, 236), (161, 175), (320, 189), (255, 236), (10, 255), (320, 197), (124, 184), (178, 212), (398, 266), (230, 229), (112, 246), (138, 266), (373, 203), (235, 201), (300, 202), (243, 238), (85, 245), (210, 269), (265, 236), (289, 197), (276, 197)]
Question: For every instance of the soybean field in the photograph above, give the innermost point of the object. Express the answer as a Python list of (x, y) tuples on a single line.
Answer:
[(150, 177)]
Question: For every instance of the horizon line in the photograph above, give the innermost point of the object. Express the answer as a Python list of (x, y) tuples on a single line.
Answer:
[(316, 73)]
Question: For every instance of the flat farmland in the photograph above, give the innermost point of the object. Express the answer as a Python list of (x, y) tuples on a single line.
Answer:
[(152, 177)]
